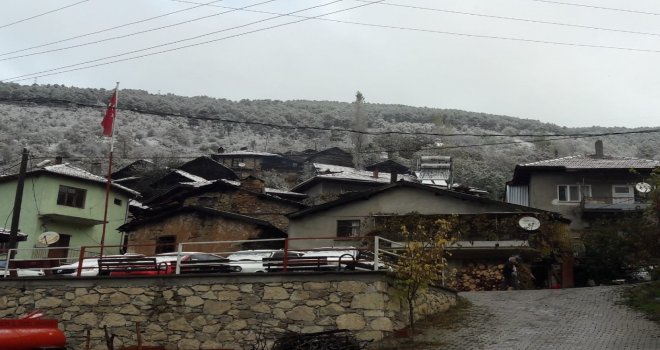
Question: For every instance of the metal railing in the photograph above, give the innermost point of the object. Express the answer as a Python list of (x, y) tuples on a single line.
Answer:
[(365, 252)]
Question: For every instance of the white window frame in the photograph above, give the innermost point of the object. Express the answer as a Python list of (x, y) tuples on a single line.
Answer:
[(628, 197), (583, 191), (354, 225)]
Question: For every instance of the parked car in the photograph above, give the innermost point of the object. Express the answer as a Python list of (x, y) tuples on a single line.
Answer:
[(90, 266), (4, 272), (191, 262), (640, 274), (251, 261)]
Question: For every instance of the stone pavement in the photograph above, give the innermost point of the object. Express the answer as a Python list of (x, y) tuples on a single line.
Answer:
[(575, 319)]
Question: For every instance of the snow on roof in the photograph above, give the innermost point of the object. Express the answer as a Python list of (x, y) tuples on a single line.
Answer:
[(190, 176), (278, 191), (343, 172), (248, 153), (5, 231), (231, 182), (134, 203), (196, 184), (68, 170), (591, 162)]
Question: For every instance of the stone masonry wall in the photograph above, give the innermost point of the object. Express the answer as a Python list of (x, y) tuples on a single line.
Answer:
[(216, 312)]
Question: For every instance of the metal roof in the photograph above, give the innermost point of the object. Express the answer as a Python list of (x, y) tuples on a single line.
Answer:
[(591, 162)]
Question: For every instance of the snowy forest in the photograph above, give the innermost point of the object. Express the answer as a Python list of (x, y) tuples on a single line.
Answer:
[(55, 120)]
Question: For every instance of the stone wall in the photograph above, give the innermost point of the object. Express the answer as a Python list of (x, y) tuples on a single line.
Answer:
[(257, 205), (217, 312)]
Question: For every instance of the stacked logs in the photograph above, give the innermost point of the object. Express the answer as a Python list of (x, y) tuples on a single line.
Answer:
[(477, 277)]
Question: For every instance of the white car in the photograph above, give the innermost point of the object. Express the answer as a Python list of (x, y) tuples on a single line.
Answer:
[(251, 261), (90, 266), (4, 272)]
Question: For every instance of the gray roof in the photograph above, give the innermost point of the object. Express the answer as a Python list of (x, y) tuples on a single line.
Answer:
[(591, 162)]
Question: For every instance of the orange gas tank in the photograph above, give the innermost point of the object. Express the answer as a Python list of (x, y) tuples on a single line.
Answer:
[(30, 334)]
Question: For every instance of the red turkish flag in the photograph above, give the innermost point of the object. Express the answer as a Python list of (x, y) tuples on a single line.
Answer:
[(109, 117)]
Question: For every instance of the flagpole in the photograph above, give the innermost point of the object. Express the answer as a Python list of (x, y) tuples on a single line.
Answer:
[(109, 178)]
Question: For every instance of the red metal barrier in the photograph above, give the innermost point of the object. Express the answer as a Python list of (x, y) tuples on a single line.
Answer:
[(29, 334)]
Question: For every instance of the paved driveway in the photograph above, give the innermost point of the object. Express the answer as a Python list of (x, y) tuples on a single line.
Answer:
[(580, 318)]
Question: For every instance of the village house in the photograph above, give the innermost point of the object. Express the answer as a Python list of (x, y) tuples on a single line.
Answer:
[(70, 201), (332, 181), (249, 197), (162, 232), (364, 213), (583, 188)]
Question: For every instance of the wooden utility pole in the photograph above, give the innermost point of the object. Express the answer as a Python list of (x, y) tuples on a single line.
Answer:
[(13, 232)]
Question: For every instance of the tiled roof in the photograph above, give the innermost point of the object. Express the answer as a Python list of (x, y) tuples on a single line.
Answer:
[(591, 162), (68, 170)]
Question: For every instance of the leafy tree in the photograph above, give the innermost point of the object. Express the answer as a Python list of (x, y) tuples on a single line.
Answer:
[(423, 260), (614, 245)]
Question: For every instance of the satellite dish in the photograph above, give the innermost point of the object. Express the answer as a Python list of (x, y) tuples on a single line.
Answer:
[(241, 165), (48, 237), (529, 223), (643, 187)]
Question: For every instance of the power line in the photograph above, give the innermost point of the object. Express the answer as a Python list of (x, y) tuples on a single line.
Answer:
[(135, 33), (109, 29), (63, 69), (497, 17), (42, 14), (187, 39), (318, 128), (9, 168), (598, 7)]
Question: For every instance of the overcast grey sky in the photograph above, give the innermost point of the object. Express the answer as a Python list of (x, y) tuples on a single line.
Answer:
[(325, 60)]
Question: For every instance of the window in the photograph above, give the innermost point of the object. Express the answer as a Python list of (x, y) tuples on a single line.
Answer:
[(117, 201), (622, 189), (71, 197), (348, 228), (573, 193), (165, 244), (235, 162)]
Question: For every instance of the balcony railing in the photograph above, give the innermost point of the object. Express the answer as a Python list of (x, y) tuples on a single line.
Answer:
[(614, 204)]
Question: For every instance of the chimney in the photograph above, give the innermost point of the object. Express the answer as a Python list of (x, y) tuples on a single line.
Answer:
[(599, 149), (221, 150), (58, 160), (253, 184)]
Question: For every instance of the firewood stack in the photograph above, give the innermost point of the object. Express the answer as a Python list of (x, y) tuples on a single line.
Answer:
[(476, 277)]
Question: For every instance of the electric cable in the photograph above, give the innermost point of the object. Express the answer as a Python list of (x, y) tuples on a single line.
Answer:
[(63, 69), (42, 14), (109, 29), (528, 20), (598, 7), (183, 40), (135, 33)]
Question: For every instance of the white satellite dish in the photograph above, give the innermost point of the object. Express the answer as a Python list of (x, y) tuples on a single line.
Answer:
[(643, 187), (529, 223), (48, 237), (241, 165)]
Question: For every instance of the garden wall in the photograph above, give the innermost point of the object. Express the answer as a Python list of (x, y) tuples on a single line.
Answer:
[(217, 312)]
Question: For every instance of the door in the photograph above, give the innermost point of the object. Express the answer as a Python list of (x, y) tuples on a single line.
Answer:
[(623, 194), (62, 245)]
